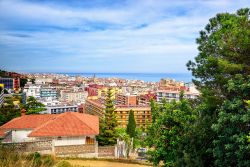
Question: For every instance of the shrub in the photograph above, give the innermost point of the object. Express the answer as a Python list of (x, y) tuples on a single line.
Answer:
[(48, 161), (63, 164)]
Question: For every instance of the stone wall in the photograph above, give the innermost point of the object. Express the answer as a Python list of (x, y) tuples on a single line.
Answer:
[(48, 147), (72, 150), (106, 151), (34, 146)]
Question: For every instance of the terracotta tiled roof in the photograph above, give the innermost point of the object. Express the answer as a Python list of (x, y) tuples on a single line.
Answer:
[(68, 124), (27, 121), (2, 133)]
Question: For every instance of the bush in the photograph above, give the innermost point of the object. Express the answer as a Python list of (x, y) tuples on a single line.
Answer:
[(34, 159), (63, 164), (9, 157), (48, 161)]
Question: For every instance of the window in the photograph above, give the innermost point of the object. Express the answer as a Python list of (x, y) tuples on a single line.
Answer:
[(89, 140)]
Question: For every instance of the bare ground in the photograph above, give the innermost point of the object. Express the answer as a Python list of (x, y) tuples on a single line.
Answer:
[(100, 163)]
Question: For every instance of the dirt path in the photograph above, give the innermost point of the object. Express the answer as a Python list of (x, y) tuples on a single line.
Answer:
[(93, 163)]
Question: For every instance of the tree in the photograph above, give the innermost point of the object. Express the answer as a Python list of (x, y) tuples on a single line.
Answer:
[(231, 147), (8, 111), (222, 70), (108, 124), (131, 124), (23, 81), (123, 136), (167, 133), (33, 106)]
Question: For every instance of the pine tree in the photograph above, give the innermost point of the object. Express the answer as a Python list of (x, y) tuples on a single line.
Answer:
[(108, 124), (131, 124)]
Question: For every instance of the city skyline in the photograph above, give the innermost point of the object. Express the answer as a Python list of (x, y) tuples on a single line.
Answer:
[(104, 36)]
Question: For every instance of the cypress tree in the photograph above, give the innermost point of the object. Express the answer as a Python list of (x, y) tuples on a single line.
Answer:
[(108, 124), (131, 124)]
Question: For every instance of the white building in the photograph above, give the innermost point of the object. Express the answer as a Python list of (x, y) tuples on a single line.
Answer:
[(63, 129), (169, 95), (32, 90), (58, 109), (74, 97)]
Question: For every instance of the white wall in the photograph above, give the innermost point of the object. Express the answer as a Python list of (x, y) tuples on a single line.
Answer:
[(70, 141), (20, 135)]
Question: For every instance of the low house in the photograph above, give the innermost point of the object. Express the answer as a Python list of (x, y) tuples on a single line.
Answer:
[(69, 128)]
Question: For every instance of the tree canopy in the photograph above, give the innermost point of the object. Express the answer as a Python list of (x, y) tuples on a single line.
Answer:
[(33, 106), (213, 131)]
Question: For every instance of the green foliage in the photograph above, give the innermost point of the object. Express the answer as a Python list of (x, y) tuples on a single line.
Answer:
[(131, 124), (10, 157), (223, 52), (8, 111), (23, 81), (33, 80), (63, 164), (108, 124), (167, 134), (123, 136), (35, 159), (222, 71), (139, 139), (33, 106), (232, 127)]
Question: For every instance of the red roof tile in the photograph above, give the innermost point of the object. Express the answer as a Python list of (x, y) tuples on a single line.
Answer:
[(27, 121), (68, 124), (2, 133)]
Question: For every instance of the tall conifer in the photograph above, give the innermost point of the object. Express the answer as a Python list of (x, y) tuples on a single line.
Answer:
[(108, 124), (131, 124)]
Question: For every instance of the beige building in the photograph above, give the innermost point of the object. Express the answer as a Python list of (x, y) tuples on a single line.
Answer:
[(142, 114), (75, 97)]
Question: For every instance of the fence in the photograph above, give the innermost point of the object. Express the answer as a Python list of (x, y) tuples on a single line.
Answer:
[(106, 151)]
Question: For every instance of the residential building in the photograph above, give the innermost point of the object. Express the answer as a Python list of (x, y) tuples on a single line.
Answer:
[(58, 109), (63, 129), (169, 95), (48, 92), (8, 83), (75, 97), (32, 90), (142, 113), (171, 84), (125, 99), (144, 99), (44, 79), (1, 96)]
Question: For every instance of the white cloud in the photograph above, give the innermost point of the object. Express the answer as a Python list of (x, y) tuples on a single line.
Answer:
[(165, 43)]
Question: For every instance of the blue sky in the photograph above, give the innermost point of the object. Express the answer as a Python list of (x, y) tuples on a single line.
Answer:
[(156, 36)]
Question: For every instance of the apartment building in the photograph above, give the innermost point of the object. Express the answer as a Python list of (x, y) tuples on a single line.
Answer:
[(10, 83), (60, 109), (125, 99), (142, 113), (32, 90), (75, 97), (144, 99), (169, 95), (48, 92), (1, 96)]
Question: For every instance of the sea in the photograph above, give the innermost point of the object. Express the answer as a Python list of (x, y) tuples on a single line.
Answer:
[(148, 77)]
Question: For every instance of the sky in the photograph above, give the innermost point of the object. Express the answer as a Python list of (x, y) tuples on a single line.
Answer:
[(123, 36)]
